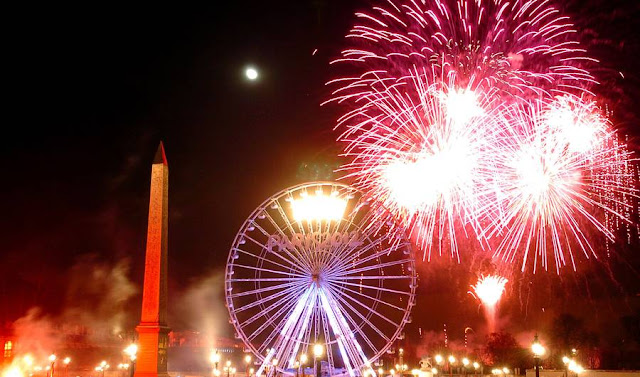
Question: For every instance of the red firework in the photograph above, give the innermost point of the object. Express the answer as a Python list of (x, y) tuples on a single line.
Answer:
[(472, 115)]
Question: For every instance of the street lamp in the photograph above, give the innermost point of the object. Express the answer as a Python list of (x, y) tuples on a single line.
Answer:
[(318, 350), (439, 359), (214, 357), (247, 361), (538, 350), (465, 363), (66, 362), (303, 361), (228, 367), (452, 360), (52, 359), (132, 352)]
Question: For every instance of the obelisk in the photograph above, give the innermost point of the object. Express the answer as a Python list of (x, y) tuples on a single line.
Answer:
[(153, 330)]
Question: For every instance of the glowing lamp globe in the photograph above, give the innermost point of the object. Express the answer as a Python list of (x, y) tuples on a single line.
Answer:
[(538, 349), (318, 350), (131, 351)]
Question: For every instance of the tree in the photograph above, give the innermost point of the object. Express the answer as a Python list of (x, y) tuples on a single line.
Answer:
[(502, 348)]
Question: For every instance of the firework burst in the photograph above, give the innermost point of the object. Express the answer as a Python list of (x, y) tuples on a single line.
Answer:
[(522, 47), (552, 167), (419, 149), (489, 290), (475, 116)]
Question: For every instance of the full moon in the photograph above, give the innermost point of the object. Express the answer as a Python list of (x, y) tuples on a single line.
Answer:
[(251, 73)]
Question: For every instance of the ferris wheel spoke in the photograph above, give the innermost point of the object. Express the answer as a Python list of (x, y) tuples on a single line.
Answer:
[(263, 259), (342, 282), (285, 337), (266, 311), (379, 266), (291, 288), (299, 302), (364, 306), (340, 329), (251, 280), (370, 277), (371, 298), (289, 263), (346, 260), (301, 328), (363, 318), (357, 328), (285, 307), (292, 263), (296, 258), (378, 288), (351, 266), (327, 336), (261, 269)]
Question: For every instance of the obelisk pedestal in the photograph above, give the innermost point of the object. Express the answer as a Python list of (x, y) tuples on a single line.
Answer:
[(153, 339)]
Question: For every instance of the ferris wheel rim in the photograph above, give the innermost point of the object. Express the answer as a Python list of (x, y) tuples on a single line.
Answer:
[(242, 233)]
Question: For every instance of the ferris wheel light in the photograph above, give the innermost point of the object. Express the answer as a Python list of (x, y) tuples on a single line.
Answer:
[(302, 266), (318, 207)]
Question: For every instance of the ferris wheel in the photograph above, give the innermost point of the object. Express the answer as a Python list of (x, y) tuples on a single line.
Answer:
[(315, 266)]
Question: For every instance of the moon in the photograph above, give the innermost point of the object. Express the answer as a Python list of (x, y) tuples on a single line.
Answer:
[(251, 73)]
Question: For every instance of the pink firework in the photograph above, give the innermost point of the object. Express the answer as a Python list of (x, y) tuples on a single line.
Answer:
[(489, 290), (419, 149), (522, 47), (470, 118), (559, 171)]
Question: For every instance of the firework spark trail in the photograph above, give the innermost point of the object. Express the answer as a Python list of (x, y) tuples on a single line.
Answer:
[(474, 115), (418, 148), (489, 290), (552, 165), (523, 48)]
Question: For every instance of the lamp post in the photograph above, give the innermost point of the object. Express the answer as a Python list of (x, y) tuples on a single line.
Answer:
[(214, 357), (52, 359), (400, 356), (318, 350), (303, 361), (66, 362), (247, 361), (228, 367), (465, 364), (452, 361), (132, 352), (103, 367), (538, 350)]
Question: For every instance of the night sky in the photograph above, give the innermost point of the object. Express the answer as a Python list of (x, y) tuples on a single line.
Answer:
[(91, 89)]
